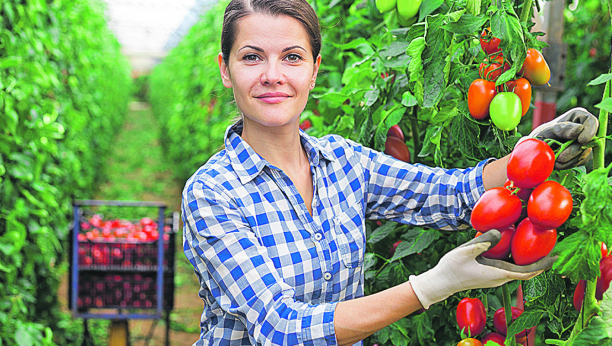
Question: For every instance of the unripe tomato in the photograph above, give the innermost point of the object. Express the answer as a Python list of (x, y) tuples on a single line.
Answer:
[(397, 148), (530, 163), (408, 8), (530, 243), (469, 342), (495, 337), (405, 22), (385, 5), (488, 42), (522, 88), (480, 95), (491, 67), (497, 208), (505, 110), (535, 68), (502, 249), (395, 131), (550, 204), (471, 316), (499, 320), (579, 294)]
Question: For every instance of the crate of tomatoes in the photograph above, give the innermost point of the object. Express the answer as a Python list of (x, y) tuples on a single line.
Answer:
[(122, 259)]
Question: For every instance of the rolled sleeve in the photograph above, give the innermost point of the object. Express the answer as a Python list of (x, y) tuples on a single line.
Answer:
[(240, 276), (419, 195)]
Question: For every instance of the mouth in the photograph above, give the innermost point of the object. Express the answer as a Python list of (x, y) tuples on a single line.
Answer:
[(273, 97)]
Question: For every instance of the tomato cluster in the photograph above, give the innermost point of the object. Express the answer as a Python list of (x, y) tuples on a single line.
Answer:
[(406, 10), (395, 145), (527, 209), (472, 319), (603, 281), (507, 103), (96, 229)]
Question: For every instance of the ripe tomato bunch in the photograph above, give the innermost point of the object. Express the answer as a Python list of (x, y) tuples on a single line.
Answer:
[(526, 236), (96, 229), (603, 281), (395, 145), (505, 104), (472, 320)]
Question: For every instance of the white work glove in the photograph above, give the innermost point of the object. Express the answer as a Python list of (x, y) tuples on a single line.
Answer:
[(577, 123), (464, 268)]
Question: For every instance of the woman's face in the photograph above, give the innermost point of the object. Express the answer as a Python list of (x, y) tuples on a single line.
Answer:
[(271, 69)]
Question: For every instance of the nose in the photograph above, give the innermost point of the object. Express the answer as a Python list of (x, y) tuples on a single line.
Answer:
[(272, 75)]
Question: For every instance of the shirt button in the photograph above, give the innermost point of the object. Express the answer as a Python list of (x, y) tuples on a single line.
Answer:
[(318, 236), (327, 276)]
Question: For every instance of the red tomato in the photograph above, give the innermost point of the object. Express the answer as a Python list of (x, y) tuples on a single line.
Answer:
[(604, 250), (471, 316), (535, 68), (550, 204), (497, 208), (395, 131), (469, 342), (491, 68), (393, 248), (488, 42), (479, 97), (499, 320), (579, 294), (397, 148), (495, 337), (305, 125), (603, 282), (522, 88), (531, 243), (530, 163), (502, 249)]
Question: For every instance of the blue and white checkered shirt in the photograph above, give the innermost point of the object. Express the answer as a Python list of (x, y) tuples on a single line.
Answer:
[(272, 274)]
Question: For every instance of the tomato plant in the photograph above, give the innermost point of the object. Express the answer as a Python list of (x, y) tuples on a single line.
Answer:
[(505, 110), (489, 43), (491, 68)]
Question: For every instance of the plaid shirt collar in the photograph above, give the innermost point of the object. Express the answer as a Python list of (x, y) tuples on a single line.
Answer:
[(248, 164)]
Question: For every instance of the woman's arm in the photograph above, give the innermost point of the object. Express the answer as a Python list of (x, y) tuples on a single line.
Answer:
[(358, 318), (494, 174)]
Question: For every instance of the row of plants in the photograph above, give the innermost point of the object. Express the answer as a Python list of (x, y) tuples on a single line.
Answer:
[(400, 82), (64, 88)]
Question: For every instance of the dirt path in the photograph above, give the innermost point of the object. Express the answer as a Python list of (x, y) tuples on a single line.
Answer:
[(137, 170)]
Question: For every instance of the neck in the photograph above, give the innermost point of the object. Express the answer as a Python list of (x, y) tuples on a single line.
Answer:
[(279, 145)]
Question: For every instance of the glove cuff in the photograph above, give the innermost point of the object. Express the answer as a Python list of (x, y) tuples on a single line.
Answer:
[(429, 288)]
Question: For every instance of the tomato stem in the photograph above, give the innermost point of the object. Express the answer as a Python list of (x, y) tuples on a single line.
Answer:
[(563, 147), (416, 139), (600, 144), (510, 339), (527, 5)]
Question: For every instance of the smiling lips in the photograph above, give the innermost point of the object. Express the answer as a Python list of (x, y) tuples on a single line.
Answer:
[(273, 97)]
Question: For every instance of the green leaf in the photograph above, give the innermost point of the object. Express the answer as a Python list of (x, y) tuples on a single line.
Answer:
[(11, 61), (473, 7), (369, 261), (23, 337), (424, 330), (371, 96), (599, 330), (394, 49), (434, 61), (601, 79), (529, 318), (381, 232), (432, 140), (606, 105), (578, 257), (415, 50), (465, 134), (334, 100), (466, 25), (408, 100), (427, 8), (415, 241)]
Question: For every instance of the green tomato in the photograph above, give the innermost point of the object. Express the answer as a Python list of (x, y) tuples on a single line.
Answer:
[(505, 110), (405, 22), (408, 8), (385, 5)]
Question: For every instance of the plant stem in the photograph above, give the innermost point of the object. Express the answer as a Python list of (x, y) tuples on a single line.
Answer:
[(590, 307), (600, 145), (563, 147), (508, 312), (414, 124), (527, 5)]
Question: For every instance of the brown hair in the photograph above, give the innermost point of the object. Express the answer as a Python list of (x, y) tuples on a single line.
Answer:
[(297, 9)]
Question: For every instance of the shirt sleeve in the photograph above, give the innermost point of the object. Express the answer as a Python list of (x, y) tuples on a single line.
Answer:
[(419, 195), (242, 278)]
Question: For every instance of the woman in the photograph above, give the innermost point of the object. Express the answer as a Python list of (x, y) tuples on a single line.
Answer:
[(274, 224)]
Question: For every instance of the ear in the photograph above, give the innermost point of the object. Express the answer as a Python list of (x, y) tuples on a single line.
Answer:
[(315, 72), (224, 69)]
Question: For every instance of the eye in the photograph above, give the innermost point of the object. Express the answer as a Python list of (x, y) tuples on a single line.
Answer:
[(294, 57), (250, 57)]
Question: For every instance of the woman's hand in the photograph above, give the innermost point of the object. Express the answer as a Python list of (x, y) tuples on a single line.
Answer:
[(464, 268)]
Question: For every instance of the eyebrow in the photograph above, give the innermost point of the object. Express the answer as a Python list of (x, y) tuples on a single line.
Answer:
[(261, 50)]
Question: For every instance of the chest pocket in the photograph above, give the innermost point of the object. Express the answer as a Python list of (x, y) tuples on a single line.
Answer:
[(350, 236)]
